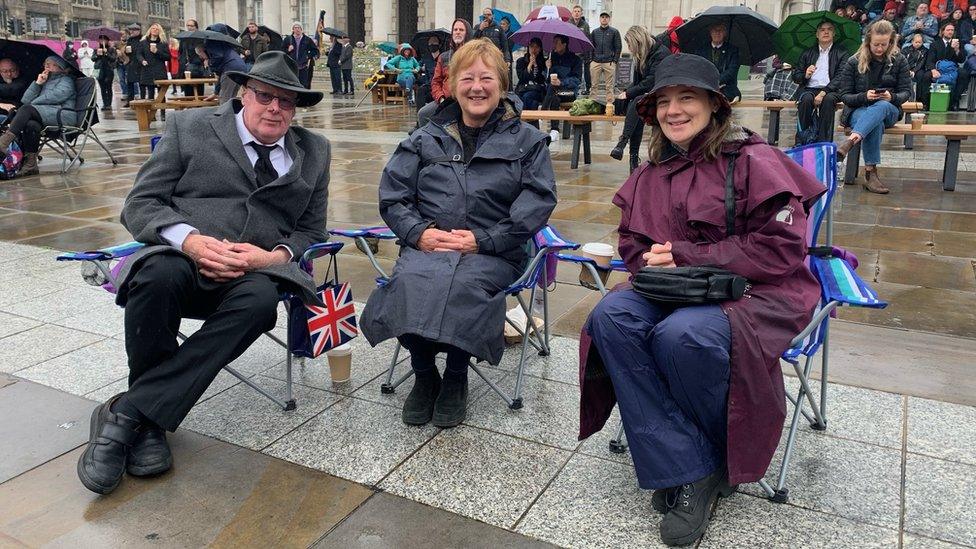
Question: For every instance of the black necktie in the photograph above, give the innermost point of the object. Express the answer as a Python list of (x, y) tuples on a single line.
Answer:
[(263, 167)]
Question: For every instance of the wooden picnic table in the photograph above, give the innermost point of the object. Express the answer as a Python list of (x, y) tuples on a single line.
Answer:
[(146, 110)]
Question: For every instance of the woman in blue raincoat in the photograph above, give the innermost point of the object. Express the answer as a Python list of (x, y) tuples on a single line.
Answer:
[(407, 67), (464, 193)]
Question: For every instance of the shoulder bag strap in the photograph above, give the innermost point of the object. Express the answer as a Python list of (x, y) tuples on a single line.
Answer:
[(730, 195)]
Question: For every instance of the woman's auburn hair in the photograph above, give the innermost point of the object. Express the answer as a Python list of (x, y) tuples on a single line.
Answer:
[(878, 28), (715, 133), (471, 51)]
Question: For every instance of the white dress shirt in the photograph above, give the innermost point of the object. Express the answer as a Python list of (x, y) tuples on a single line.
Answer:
[(280, 159), (821, 75)]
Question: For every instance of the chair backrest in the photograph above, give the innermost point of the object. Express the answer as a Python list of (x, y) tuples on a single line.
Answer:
[(85, 102), (820, 160)]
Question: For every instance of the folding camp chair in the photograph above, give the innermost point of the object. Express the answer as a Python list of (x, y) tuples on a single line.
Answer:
[(101, 266), (63, 138), (546, 243), (839, 284)]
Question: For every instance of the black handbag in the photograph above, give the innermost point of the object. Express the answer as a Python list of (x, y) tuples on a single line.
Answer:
[(677, 286)]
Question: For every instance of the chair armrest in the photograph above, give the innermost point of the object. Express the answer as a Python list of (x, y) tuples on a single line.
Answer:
[(58, 114), (105, 254), (839, 282), (321, 249)]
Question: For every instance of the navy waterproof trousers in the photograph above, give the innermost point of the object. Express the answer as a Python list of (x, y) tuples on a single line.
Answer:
[(670, 372)]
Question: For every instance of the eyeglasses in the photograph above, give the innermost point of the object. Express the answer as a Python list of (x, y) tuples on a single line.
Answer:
[(265, 98)]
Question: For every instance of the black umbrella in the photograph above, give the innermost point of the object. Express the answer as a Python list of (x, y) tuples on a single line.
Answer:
[(29, 57), (275, 37), (749, 31), (419, 40), (331, 31), (224, 28), (212, 36)]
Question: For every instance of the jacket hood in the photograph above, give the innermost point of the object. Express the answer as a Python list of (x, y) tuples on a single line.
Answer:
[(735, 138), (406, 46), (467, 35), (676, 22)]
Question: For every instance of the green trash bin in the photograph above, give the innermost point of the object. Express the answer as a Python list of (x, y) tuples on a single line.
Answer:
[(939, 100)]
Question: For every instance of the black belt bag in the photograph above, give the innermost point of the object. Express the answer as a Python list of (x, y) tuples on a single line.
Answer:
[(695, 285)]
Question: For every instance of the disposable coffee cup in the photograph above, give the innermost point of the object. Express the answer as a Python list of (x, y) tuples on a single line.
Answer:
[(601, 254), (187, 74), (340, 363), (917, 119), (128, 49)]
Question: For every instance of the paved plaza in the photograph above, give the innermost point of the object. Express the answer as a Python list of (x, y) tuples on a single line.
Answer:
[(896, 467)]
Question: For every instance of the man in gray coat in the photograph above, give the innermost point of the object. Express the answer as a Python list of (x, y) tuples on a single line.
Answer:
[(230, 198)]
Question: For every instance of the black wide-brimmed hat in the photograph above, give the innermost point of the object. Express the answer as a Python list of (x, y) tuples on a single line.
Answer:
[(278, 69), (683, 69)]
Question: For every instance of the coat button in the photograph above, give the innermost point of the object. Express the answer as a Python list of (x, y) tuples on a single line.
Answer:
[(669, 168)]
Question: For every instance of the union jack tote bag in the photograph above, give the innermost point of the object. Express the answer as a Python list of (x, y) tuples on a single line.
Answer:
[(316, 329)]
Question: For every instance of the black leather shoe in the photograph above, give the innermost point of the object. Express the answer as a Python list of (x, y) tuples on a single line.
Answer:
[(617, 153), (634, 162), (662, 500), (419, 407), (149, 454), (103, 463), (688, 518), (452, 402)]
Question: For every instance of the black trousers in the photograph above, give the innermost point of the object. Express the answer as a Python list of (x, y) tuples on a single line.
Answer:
[(552, 100), (335, 75), (633, 130), (105, 78), (587, 84), (147, 91), (347, 85), (167, 379), (26, 127), (826, 112)]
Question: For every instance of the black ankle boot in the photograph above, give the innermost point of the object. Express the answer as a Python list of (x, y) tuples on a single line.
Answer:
[(419, 407), (663, 499), (452, 402), (634, 162), (101, 466), (687, 520), (617, 153)]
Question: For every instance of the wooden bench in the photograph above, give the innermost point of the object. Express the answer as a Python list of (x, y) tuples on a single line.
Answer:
[(388, 94), (145, 109), (581, 126), (954, 134), (775, 107)]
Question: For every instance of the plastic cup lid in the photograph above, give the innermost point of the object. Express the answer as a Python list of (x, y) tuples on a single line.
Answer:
[(598, 248)]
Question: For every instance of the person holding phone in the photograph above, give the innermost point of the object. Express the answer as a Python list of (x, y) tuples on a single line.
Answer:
[(873, 83), (944, 48)]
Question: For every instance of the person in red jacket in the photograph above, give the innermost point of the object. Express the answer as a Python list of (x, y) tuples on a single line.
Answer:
[(439, 90)]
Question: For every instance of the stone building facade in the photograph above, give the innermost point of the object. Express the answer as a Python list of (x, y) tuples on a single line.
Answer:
[(47, 18)]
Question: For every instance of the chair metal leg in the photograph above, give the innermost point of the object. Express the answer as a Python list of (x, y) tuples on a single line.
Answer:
[(104, 148), (618, 444), (289, 397), (389, 387), (289, 405), (512, 403)]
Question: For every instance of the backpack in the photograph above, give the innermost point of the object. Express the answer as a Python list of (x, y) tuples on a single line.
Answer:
[(805, 136), (12, 162)]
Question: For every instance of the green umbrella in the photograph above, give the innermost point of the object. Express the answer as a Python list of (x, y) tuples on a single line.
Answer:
[(799, 32), (388, 47)]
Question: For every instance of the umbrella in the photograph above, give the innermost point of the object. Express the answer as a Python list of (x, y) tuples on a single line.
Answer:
[(546, 29), (498, 15), (749, 31), (799, 32), (419, 40), (331, 31), (224, 28), (29, 57), (550, 12), (93, 33), (208, 35), (388, 48), (275, 37)]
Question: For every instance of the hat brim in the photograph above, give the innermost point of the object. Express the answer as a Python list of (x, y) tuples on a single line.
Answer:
[(647, 106), (306, 97)]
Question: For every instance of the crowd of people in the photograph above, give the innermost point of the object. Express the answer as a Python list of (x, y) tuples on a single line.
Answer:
[(699, 387)]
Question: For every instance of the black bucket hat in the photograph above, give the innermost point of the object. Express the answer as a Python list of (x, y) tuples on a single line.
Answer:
[(278, 69), (683, 69)]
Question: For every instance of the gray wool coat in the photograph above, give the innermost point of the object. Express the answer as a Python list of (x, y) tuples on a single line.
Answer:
[(57, 93), (199, 174), (504, 195)]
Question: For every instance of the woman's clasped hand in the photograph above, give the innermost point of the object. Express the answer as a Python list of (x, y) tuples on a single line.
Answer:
[(456, 240)]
